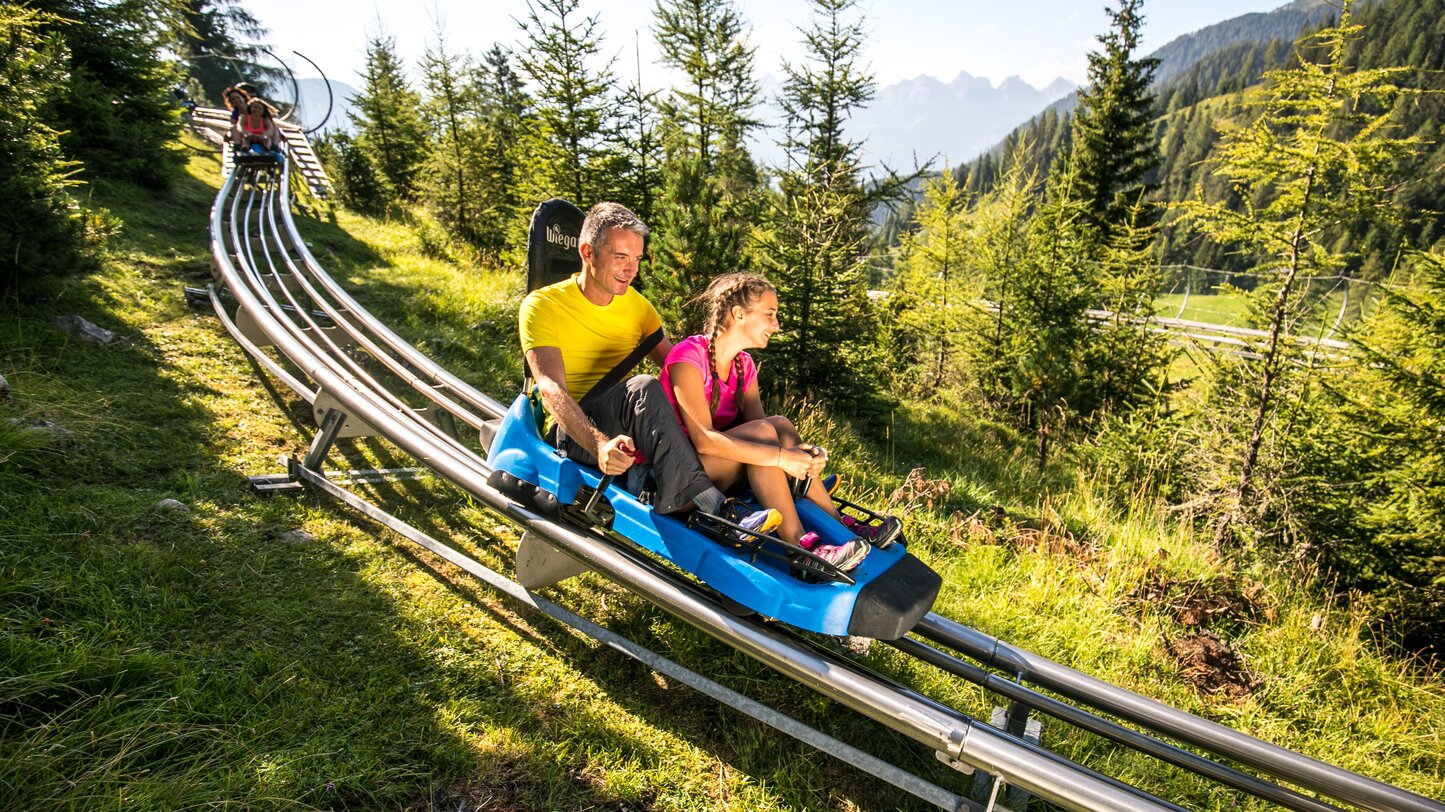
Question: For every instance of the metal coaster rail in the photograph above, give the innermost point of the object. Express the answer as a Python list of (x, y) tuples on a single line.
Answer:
[(282, 296)]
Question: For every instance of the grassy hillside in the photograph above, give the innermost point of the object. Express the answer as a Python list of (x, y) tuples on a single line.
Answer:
[(164, 658)]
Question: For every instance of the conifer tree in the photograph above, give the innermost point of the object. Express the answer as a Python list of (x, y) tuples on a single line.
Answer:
[(115, 106), (708, 203), (1127, 357), (638, 163), (1382, 521), (819, 237), (1041, 377), (223, 49), (40, 232), (1113, 143), (389, 128), (999, 224), (450, 184), (358, 182), (1366, 480), (504, 106), (931, 284), (570, 151), (1318, 155)]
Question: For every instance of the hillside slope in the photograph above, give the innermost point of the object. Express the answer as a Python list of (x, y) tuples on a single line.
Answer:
[(208, 654)]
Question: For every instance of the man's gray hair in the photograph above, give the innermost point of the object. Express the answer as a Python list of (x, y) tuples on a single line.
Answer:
[(603, 218)]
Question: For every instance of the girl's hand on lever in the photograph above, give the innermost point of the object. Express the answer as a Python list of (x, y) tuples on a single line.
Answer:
[(820, 458), (802, 461)]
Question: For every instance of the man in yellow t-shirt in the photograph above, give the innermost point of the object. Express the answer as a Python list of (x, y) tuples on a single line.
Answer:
[(576, 331)]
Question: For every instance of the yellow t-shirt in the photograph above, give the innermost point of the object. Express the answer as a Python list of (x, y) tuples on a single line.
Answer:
[(593, 339)]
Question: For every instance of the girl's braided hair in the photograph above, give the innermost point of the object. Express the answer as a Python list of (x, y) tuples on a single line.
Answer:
[(730, 290)]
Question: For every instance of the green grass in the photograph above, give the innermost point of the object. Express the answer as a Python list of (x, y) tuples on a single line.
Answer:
[(152, 659), (1229, 309)]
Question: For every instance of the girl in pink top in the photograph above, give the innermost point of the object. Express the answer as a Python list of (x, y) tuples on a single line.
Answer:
[(713, 384)]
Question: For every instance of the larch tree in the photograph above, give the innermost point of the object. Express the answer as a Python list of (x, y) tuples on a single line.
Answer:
[(450, 185), (931, 285), (504, 107), (637, 164), (1318, 155)]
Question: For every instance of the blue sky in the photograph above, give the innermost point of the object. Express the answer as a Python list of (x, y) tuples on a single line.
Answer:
[(1035, 39)]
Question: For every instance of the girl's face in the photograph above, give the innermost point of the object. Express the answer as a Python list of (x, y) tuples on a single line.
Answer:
[(759, 321)]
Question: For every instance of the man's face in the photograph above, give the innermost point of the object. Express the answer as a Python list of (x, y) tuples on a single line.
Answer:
[(616, 262)]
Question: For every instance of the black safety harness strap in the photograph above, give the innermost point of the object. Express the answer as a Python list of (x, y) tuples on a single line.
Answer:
[(617, 373), (613, 377)]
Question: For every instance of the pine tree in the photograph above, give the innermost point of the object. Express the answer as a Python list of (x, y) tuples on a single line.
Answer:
[(819, 238), (1113, 145), (389, 128), (1319, 155), (571, 151), (708, 202)]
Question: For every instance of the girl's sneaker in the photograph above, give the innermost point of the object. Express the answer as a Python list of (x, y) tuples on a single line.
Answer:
[(881, 534), (754, 521), (845, 556)]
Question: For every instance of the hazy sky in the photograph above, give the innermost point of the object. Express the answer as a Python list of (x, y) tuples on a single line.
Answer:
[(1035, 39)]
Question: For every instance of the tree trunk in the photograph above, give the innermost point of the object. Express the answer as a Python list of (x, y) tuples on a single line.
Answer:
[(1272, 366)]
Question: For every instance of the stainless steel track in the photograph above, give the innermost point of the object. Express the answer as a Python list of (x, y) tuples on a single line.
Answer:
[(263, 262)]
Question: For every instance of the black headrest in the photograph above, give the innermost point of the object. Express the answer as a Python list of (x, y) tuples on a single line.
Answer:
[(552, 243)]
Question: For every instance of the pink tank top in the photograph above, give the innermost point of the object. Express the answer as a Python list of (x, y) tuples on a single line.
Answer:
[(693, 350)]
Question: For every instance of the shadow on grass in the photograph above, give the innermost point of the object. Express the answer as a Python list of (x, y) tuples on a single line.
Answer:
[(175, 657)]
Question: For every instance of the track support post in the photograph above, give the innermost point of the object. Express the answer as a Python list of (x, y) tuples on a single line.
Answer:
[(331, 424), (1016, 722), (290, 482)]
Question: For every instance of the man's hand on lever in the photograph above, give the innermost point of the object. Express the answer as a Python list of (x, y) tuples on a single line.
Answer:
[(616, 455)]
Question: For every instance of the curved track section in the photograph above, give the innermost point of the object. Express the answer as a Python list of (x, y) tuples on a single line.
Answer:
[(282, 298)]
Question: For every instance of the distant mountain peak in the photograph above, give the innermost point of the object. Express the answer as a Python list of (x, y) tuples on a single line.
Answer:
[(1059, 88)]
